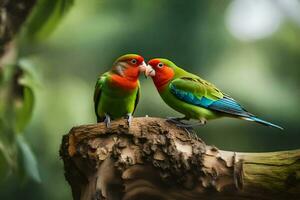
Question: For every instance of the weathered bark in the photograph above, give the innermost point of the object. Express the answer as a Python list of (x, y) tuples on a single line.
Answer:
[(154, 159)]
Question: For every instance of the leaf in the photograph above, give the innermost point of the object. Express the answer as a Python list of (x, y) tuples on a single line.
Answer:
[(24, 109), (27, 159), (45, 16), (25, 98), (30, 76)]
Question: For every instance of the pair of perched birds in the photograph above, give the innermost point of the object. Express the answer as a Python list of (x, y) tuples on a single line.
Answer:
[(117, 93)]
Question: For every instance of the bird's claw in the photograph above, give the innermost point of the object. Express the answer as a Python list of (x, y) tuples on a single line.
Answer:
[(179, 123), (175, 120), (201, 122), (107, 120), (129, 119), (185, 126), (191, 132)]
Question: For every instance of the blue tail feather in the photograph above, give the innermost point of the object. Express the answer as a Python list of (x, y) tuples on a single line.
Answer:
[(256, 119), (225, 105)]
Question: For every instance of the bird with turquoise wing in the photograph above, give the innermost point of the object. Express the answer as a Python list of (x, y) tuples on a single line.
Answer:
[(193, 96)]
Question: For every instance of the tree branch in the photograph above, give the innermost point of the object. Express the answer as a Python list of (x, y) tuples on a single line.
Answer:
[(156, 160)]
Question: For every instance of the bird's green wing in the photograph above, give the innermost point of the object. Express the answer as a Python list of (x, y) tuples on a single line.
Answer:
[(201, 93), (198, 92), (137, 99), (197, 87), (97, 93)]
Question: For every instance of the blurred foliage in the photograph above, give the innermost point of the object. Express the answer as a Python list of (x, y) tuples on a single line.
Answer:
[(263, 74), (27, 161), (45, 17), (16, 108), (25, 102), (18, 84)]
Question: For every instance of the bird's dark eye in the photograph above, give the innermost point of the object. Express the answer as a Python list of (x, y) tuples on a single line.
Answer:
[(160, 65), (133, 61)]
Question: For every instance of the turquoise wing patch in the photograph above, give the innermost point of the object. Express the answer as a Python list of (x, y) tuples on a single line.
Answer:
[(190, 97), (225, 105)]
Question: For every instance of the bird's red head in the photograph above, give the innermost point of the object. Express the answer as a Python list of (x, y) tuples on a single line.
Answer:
[(161, 72), (129, 66), (133, 60)]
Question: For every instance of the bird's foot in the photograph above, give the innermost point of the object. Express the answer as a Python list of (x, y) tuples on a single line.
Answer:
[(129, 118), (176, 120), (185, 125), (107, 120), (201, 122), (189, 128), (191, 132)]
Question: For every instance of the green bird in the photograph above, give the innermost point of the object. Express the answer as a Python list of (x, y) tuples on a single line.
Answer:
[(117, 91), (193, 96)]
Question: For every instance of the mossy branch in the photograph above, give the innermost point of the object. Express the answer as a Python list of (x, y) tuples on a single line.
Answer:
[(154, 159)]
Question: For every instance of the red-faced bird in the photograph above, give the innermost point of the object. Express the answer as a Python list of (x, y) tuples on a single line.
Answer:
[(117, 91), (193, 96)]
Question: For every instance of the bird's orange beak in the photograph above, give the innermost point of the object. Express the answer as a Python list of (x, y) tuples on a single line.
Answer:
[(149, 71)]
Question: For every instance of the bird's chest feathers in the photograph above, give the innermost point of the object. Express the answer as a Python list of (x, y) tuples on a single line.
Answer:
[(124, 83), (161, 81)]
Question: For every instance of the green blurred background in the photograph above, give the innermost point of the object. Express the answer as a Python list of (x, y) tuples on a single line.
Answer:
[(248, 48)]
